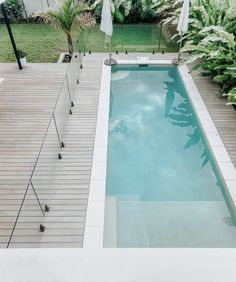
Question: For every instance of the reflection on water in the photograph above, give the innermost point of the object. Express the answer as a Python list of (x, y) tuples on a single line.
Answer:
[(182, 115), (163, 188)]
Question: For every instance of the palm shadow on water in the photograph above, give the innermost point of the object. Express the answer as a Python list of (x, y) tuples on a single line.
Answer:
[(182, 115), (111, 103)]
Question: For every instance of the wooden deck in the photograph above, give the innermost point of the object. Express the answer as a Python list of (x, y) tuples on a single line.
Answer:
[(27, 99), (224, 117)]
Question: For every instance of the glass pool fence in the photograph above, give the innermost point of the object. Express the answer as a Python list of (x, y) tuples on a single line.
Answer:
[(132, 38), (51, 150)]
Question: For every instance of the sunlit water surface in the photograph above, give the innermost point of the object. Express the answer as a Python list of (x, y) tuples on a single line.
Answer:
[(163, 189)]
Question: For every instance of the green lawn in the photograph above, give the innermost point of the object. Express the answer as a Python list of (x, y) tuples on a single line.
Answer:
[(44, 44), (41, 42)]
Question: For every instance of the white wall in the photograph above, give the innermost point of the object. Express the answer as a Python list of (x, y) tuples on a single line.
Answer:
[(35, 5)]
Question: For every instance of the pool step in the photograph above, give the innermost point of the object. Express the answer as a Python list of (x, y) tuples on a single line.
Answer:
[(110, 234), (131, 197), (173, 224)]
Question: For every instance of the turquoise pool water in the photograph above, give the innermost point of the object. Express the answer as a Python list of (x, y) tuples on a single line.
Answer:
[(163, 189)]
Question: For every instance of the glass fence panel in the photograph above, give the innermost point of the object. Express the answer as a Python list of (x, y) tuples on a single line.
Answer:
[(139, 38), (129, 37), (44, 170), (116, 42), (91, 39), (165, 42), (62, 109), (73, 74)]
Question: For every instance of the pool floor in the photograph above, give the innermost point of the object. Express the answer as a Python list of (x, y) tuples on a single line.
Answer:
[(163, 188)]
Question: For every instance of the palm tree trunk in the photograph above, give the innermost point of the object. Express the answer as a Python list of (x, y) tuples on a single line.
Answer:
[(70, 44)]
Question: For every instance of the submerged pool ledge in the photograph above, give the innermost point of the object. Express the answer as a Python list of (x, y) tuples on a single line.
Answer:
[(94, 227)]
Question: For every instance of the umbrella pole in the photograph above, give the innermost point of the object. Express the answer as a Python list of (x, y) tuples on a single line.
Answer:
[(110, 61), (110, 47), (160, 38)]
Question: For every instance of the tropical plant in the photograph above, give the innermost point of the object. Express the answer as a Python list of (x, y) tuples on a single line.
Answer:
[(129, 10), (14, 10), (203, 13), (21, 54), (217, 51), (115, 8), (210, 38), (206, 13), (68, 18), (141, 10), (231, 71), (167, 10)]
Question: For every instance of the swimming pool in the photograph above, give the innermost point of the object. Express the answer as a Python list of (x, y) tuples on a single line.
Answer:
[(162, 185)]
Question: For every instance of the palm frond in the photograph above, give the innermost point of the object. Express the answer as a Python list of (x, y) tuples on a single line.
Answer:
[(85, 21), (49, 16)]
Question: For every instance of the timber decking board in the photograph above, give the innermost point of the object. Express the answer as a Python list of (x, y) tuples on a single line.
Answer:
[(224, 117), (27, 99)]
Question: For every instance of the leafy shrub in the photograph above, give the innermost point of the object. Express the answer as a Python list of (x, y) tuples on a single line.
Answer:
[(14, 10), (21, 53), (210, 38), (129, 11), (70, 17)]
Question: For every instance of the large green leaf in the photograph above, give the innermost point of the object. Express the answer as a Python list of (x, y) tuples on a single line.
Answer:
[(119, 16), (231, 97), (220, 67), (227, 37), (200, 48), (193, 58), (221, 78)]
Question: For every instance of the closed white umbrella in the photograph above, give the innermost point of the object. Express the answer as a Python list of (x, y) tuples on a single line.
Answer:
[(184, 18), (107, 27), (106, 22), (183, 22)]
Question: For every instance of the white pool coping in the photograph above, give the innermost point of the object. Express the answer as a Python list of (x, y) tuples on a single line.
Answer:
[(94, 226), (116, 265)]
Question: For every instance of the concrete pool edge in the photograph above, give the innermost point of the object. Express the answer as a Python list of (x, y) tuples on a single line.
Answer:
[(94, 226)]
